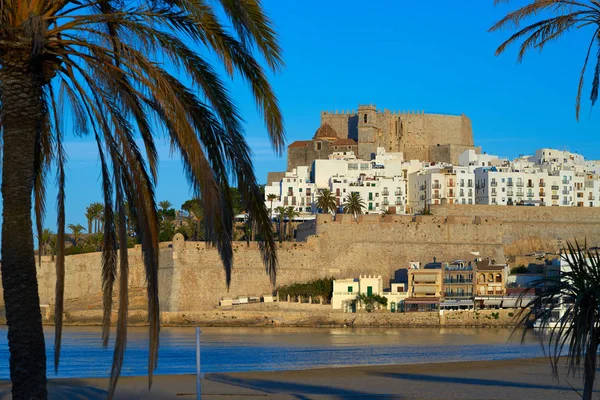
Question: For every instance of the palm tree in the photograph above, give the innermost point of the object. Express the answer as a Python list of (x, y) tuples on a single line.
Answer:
[(567, 16), (165, 205), (117, 69), (354, 204), (290, 214), (44, 241), (326, 201), (281, 210), (577, 334), (76, 232), (90, 215), (271, 197)]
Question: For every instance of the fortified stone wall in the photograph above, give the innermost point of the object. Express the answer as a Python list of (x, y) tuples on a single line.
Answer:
[(192, 278)]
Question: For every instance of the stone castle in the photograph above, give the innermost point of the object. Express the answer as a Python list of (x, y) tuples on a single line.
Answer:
[(420, 136)]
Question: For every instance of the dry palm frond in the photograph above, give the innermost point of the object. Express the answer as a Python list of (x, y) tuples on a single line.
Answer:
[(566, 15), (114, 67)]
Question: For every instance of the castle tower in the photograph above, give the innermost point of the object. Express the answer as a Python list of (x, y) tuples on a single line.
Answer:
[(367, 131)]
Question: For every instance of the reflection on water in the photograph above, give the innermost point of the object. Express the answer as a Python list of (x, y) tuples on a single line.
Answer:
[(254, 349)]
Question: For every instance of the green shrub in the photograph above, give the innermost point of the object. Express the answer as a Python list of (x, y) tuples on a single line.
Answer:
[(316, 288), (369, 301)]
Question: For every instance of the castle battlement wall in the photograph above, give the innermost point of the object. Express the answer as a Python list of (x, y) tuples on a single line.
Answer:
[(192, 278)]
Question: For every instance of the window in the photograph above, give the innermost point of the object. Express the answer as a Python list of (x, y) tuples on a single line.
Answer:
[(369, 290), (350, 288), (318, 145), (365, 118)]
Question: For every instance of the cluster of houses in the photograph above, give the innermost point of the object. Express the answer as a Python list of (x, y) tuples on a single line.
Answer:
[(390, 184), (458, 285)]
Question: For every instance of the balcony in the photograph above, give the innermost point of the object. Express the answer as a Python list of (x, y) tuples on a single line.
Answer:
[(565, 182), (437, 186), (290, 193), (457, 281), (509, 183), (529, 194), (591, 197), (565, 191), (385, 203), (565, 203), (385, 193), (494, 193), (493, 184), (542, 194), (398, 193), (510, 193), (436, 196), (422, 197), (398, 202), (462, 184), (519, 184), (470, 184), (554, 187), (555, 197), (422, 187), (530, 185), (451, 184), (542, 184), (519, 194)]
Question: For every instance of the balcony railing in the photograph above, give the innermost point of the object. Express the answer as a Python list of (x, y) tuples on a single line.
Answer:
[(565, 191), (554, 187), (493, 184), (529, 194), (462, 184), (470, 184), (422, 187), (385, 193), (542, 184), (386, 203), (519, 184), (436, 196), (520, 194), (555, 197), (530, 185), (399, 202), (437, 186), (451, 184), (542, 194), (458, 281), (565, 182), (398, 193), (591, 197), (509, 183), (510, 193), (565, 203)]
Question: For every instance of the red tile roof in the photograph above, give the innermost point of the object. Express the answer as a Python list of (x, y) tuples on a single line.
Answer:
[(345, 142), (300, 143)]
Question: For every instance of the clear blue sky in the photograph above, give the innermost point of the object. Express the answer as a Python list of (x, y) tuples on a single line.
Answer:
[(435, 56)]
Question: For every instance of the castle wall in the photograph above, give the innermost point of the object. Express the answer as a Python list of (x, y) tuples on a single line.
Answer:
[(191, 276)]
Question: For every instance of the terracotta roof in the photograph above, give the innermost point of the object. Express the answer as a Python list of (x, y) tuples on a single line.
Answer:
[(344, 142), (300, 143), (325, 131)]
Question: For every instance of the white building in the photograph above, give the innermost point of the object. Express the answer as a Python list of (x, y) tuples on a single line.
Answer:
[(469, 158), (345, 292), (294, 190), (451, 185)]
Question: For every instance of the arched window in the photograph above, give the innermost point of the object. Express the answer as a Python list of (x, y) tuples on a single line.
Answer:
[(365, 118), (498, 278), (481, 278), (491, 278)]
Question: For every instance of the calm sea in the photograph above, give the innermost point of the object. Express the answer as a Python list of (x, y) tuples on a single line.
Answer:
[(256, 349)]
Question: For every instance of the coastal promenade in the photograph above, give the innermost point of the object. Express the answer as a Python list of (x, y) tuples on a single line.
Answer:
[(484, 380)]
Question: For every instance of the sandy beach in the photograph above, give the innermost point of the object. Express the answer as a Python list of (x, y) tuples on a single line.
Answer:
[(490, 380)]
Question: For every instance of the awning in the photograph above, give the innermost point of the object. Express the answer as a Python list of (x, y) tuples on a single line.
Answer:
[(424, 277), (509, 303), (492, 302), (425, 289), (422, 300)]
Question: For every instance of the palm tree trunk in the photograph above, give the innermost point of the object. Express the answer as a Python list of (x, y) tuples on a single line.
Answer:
[(22, 117), (89, 225), (589, 367)]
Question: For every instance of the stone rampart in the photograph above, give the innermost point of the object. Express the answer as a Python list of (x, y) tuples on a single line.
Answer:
[(192, 278)]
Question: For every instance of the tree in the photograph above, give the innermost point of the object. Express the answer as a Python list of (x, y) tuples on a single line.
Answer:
[(122, 71), (290, 214), (271, 198), (354, 204), (577, 334), (280, 221), (44, 240), (196, 212), (567, 16), (76, 232), (165, 205), (90, 215), (326, 201), (371, 301)]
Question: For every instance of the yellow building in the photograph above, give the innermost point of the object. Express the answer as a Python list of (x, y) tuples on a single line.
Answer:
[(490, 284), (424, 288)]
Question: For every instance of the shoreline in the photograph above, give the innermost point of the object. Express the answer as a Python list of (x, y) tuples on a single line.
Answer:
[(316, 318), (515, 378)]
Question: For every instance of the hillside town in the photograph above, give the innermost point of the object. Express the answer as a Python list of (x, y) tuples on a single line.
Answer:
[(389, 184)]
